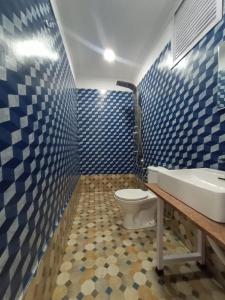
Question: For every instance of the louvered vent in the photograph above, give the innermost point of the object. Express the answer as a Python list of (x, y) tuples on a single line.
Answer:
[(192, 20)]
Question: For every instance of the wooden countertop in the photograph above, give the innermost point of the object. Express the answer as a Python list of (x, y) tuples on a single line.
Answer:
[(213, 229)]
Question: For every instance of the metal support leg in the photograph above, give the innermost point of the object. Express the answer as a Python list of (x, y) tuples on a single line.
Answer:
[(198, 256), (159, 240), (201, 248)]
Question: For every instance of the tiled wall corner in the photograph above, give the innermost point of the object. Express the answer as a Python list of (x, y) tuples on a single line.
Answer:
[(140, 184), (43, 283)]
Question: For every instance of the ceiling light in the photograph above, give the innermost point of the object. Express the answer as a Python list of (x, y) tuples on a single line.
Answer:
[(109, 55), (102, 92), (182, 64)]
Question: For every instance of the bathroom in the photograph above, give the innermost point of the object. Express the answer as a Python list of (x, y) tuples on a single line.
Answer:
[(112, 149)]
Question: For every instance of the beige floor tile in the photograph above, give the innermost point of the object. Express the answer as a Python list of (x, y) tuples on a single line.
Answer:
[(104, 261)]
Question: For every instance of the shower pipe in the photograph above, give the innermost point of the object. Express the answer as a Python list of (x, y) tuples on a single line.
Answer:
[(137, 129)]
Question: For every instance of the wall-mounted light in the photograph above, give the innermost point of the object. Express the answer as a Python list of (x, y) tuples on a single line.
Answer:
[(109, 55)]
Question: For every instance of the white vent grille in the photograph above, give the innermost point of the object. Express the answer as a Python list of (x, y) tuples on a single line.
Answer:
[(192, 20)]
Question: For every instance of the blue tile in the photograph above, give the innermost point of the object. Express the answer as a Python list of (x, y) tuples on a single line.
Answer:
[(106, 125), (35, 140), (177, 105)]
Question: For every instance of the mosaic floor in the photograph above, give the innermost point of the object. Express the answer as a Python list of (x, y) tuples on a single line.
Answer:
[(104, 261)]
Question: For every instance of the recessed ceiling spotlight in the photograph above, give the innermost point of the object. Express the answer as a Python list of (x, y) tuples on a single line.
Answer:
[(109, 55), (102, 92)]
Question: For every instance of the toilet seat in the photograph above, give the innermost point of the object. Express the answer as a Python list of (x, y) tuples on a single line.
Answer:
[(139, 207), (131, 195)]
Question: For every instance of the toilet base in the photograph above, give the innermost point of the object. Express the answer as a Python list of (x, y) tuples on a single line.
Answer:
[(137, 213), (140, 216), (149, 225)]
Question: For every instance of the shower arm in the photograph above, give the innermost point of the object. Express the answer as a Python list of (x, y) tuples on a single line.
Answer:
[(127, 85), (137, 108)]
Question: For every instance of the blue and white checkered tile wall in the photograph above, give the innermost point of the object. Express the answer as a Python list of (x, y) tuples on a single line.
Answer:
[(38, 138), (182, 127), (106, 125), (221, 88)]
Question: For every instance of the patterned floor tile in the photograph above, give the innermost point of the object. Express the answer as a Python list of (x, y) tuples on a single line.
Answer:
[(104, 261)]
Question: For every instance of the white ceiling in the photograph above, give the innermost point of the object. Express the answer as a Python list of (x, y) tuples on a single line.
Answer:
[(129, 27)]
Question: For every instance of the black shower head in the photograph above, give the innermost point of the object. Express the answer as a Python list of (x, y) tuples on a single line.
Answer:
[(127, 85)]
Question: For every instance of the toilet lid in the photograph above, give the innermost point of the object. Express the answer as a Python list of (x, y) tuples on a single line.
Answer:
[(131, 194)]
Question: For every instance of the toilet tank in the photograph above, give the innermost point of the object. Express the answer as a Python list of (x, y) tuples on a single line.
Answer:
[(153, 174)]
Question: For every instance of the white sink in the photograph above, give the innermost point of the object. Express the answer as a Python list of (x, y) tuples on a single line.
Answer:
[(200, 189)]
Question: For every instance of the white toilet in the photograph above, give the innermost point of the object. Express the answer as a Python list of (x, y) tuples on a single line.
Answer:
[(138, 206)]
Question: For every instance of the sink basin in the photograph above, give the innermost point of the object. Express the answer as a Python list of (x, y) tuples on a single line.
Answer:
[(200, 189)]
